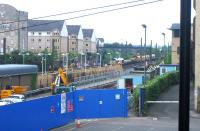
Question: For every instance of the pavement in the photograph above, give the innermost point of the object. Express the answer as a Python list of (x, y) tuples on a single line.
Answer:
[(171, 109), (129, 124)]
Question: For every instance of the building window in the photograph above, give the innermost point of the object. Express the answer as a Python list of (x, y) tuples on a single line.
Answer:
[(86, 50), (178, 50), (39, 40), (58, 40), (73, 42), (73, 36), (39, 33), (72, 48), (163, 70), (32, 40), (48, 40), (176, 33), (48, 33), (55, 33), (33, 33), (86, 44)]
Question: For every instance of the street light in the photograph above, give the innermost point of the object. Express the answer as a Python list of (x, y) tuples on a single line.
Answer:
[(23, 56), (85, 62), (110, 57), (44, 58), (99, 58), (164, 43), (66, 62), (145, 32)]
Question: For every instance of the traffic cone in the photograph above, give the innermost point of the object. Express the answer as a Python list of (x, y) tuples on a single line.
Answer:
[(78, 124)]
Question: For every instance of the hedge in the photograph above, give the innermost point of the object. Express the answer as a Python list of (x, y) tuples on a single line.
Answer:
[(153, 89)]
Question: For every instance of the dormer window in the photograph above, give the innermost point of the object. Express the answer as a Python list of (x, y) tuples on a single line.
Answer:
[(73, 36), (39, 33)]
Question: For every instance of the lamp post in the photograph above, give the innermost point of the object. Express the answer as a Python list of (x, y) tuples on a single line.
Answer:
[(164, 43), (23, 54), (40, 54), (65, 64), (110, 57), (145, 32), (44, 62), (85, 63), (99, 59)]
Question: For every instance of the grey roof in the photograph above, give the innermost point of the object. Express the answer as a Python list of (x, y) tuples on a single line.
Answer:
[(175, 26), (101, 39), (17, 69), (45, 25), (87, 33), (73, 29)]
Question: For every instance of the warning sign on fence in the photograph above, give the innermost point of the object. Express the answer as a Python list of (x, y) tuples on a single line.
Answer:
[(63, 103)]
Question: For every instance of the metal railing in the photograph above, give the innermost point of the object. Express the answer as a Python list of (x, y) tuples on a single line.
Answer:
[(37, 92), (84, 80)]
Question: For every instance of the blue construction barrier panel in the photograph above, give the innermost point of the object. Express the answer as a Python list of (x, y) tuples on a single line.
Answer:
[(38, 114), (100, 103), (50, 112)]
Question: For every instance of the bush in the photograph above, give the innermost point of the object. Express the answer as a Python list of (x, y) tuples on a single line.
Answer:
[(153, 88)]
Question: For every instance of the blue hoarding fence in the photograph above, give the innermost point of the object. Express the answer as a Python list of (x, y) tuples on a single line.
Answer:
[(101, 103), (38, 114), (53, 111)]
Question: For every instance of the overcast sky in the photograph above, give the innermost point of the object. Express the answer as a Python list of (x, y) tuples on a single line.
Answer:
[(118, 26)]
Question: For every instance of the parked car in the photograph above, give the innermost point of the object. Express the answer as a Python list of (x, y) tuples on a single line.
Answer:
[(2, 103), (8, 101), (16, 98)]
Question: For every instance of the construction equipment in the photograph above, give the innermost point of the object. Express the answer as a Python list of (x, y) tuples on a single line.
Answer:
[(61, 83), (9, 90)]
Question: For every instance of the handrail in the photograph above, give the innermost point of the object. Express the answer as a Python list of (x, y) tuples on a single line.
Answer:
[(37, 91)]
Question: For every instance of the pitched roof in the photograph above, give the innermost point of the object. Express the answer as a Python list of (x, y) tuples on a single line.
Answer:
[(87, 33), (45, 25), (175, 26), (73, 29), (101, 39)]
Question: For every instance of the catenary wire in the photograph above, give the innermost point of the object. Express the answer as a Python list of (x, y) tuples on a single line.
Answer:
[(76, 11), (90, 14)]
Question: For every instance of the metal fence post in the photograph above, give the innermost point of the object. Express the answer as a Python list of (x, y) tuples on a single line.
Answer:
[(141, 101)]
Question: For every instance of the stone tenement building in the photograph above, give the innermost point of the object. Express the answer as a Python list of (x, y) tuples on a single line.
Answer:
[(13, 25)]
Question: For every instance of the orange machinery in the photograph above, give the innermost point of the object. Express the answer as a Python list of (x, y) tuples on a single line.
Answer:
[(12, 90)]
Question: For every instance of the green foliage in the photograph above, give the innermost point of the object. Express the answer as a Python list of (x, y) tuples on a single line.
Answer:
[(33, 81), (168, 59), (154, 88)]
